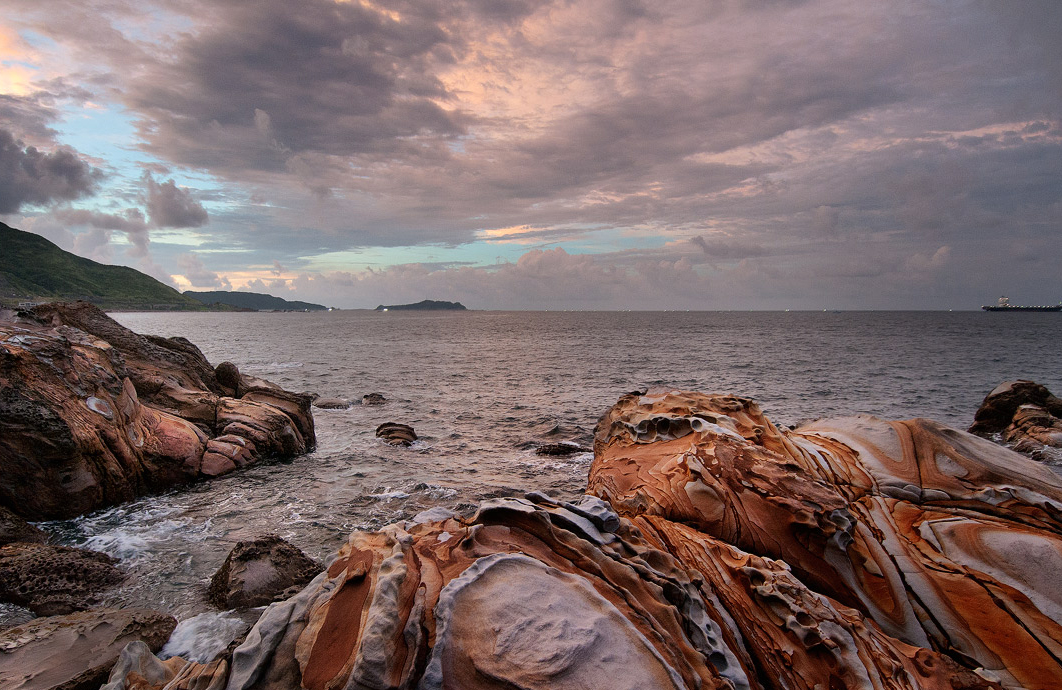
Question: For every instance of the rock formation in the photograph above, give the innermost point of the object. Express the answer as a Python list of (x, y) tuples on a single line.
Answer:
[(396, 434), (715, 551), (75, 652), (373, 399), (259, 572), (92, 414), (563, 448), (52, 580), (1024, 414)]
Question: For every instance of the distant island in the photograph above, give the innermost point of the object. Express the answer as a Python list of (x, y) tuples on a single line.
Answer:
[(424, 305), (255, 301), (32, 269)]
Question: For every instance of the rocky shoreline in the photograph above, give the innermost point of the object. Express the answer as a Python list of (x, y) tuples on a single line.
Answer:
[(712, 548)]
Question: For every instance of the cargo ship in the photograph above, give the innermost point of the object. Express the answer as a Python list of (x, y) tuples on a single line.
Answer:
[(1005, 305)]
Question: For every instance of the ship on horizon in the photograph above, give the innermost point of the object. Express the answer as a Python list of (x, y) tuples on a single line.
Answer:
[(1005, 305)]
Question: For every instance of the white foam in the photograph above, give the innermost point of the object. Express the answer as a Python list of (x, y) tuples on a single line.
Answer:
[(203, 637)]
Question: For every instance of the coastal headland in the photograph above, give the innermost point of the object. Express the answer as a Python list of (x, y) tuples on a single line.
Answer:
[(712, 549)]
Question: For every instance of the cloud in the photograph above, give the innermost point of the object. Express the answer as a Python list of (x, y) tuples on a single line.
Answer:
[(32, 177), (170, 206), (193, 270)]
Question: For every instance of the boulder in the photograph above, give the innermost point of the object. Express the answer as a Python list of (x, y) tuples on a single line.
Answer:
[(14, 528), (396, 434), (1024, 415), (997, 409), (373, 399), (260, 572), (76, 651), (228, 376), (51, 580), (93, 414)]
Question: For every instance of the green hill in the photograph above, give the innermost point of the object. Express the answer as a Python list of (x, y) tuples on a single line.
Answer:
[(252, 300), (34, 269), (424, 305)]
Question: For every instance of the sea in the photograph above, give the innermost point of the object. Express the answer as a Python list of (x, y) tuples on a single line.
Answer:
[(483, 389)]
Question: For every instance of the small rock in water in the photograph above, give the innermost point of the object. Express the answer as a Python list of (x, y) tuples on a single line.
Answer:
[(51, 580), (333, 404), (373, 399), (260, 572), (1025, 414), (560, 449), (396, 434)]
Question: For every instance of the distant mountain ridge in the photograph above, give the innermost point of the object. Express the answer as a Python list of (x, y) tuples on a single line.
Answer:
[(428, 304), (252, 300), (34, 269)]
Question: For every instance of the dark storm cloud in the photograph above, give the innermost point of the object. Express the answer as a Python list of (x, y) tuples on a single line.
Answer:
[(268, 80), (170, 206), (30, 176)]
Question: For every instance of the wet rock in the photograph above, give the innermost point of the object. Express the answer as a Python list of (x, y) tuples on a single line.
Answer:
[(997, 410), (333, 404), (396, 434), (14, 528), (373, 399), (228, 376), (941, 538), (51, 580), (560, 449), (534, 595), (76, 651), (259, 572), (93, 414), (138, 668)]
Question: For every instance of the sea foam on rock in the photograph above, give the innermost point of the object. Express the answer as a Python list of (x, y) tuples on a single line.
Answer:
[(715, 551), (93, 414)]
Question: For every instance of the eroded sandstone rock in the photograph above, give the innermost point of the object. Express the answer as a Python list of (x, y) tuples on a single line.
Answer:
[(77, 651), (1024, 414), (718, 552), (52, 580), (259, 572), (396, 434), (93, 414), (944, 540)]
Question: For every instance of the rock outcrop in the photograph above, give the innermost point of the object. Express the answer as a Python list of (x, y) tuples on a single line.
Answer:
[(75, 652), (53, 580), (260, 572), (92, 414), (14, 528), (716, 551), (396, 434), (1024, 414)]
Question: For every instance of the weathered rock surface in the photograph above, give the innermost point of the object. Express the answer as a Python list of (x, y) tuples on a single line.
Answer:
[(373, 399), (92, 414), (52, 580), (718, 552), (260, 572), (1025, 415), (14, 528), (77, 651), (138, 667), (944, 540), (396, 434)]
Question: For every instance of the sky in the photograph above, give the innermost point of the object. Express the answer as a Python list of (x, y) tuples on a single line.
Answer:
[(569, 154)]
